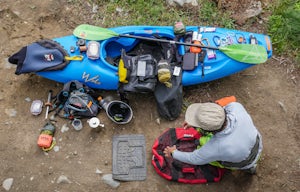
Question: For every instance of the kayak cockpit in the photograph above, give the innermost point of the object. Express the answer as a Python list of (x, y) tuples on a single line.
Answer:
[(110, 49)]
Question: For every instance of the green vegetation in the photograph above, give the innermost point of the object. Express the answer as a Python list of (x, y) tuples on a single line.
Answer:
[(283, 24), (157, 12), (284, 28)]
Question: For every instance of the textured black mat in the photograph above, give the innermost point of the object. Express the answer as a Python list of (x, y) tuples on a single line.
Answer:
[(129, 157)]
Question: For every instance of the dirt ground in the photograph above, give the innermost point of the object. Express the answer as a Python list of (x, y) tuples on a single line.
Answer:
[(270, 93)]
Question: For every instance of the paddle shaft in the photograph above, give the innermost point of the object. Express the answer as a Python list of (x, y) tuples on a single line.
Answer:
[(244, 53), (167, 41)]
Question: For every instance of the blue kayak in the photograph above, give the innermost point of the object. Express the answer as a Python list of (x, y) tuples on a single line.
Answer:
[(102, 74)]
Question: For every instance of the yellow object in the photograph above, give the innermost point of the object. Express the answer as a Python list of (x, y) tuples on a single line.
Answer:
[(122, 71), (74, 58), (164, 76), (164, 73), (203, 140)]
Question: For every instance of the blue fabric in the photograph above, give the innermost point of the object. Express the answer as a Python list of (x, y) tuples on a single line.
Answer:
[(36, 58)]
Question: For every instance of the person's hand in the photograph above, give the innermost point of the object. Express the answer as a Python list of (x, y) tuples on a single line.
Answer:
[(186, 125), (168, 150)]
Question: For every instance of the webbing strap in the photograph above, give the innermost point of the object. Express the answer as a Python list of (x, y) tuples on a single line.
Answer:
[(173, 136), (74, 58), (207, 173), (174, 174)]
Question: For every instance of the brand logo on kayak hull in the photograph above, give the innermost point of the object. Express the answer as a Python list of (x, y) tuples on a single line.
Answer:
[(95, 79)]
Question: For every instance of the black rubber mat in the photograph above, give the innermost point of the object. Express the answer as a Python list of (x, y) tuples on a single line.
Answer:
[(129, 157)]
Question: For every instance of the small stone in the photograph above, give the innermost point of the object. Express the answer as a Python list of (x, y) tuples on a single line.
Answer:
[(11, 112), (52, 117), (7, 183), (158, 121), (63, 179), (119, 10), (56, 148), (282, 106), (182, 2), (107, 178), (98, 171), (64, 128), (95, 8), (27, 99)]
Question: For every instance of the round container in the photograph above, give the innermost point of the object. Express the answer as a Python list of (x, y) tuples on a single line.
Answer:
[(77, 124), (94, 122), (119, 112)]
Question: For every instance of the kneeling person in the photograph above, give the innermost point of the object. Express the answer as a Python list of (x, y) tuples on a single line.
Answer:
[(235, 144)]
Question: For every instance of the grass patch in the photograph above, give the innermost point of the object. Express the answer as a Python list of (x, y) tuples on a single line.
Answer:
[(284, 28), (158, 12)]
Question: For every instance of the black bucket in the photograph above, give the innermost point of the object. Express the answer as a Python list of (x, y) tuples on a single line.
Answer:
[(118, 111)]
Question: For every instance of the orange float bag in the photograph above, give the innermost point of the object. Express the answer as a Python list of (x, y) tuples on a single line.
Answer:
[(225, 100)]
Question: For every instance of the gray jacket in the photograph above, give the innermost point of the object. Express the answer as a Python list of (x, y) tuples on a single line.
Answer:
[(233, 144)]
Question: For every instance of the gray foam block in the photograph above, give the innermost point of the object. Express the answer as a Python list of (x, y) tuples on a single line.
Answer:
[(129, 157)]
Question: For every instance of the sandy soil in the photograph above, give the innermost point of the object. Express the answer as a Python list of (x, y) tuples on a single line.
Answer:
[(270, 92)]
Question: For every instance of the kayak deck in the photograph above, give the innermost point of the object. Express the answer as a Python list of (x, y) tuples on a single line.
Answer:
[(102, 73)]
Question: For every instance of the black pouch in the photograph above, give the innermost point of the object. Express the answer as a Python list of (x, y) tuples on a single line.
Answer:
[(188, 61), (169, 100)]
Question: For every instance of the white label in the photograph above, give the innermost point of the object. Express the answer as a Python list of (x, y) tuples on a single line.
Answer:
[(141, 69), (176, 71)]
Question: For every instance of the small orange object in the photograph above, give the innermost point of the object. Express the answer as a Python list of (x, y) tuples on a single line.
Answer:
[(241, 39), (225, 100), (268, 43), (45, 140), (90, 104), (195, 49)]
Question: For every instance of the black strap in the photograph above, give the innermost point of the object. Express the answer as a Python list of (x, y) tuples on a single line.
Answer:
[(207, 173), (173, 136), (174, 173), (157, 164)]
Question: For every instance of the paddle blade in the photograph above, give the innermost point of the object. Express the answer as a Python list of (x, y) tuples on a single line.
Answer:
[(246, 53), (95, 33)]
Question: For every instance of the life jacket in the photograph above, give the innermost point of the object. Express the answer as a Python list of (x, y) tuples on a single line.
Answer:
[(140, 73), (138, 69), (185, 140)]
